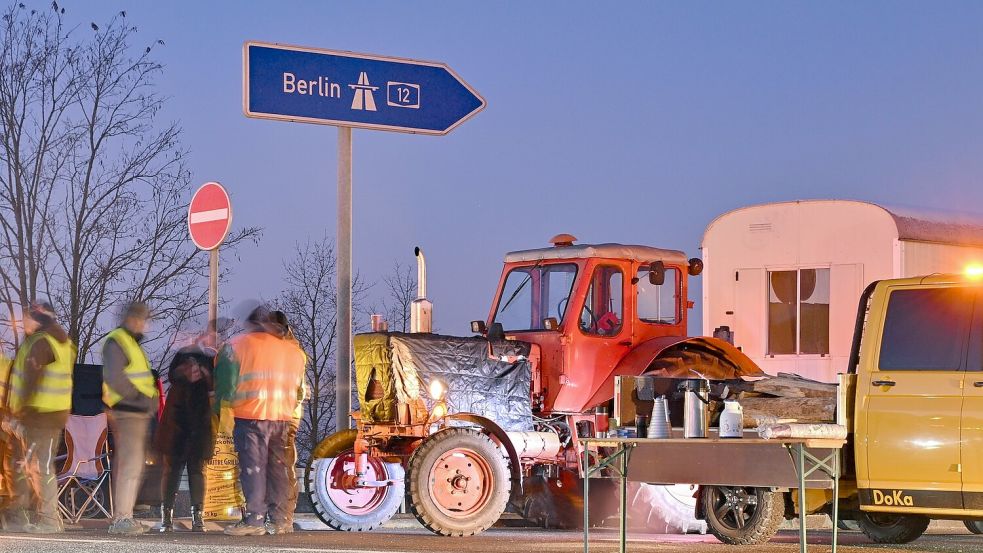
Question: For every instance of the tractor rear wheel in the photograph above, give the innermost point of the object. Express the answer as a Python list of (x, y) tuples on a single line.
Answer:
[(351, 509), (459, 482), (664, 509)]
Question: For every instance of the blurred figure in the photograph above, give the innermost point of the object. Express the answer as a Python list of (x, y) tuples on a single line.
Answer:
[(285, 512), (40, 398), (186, 437), (5, 365), (261, 375), (129, 391), (6, 467)]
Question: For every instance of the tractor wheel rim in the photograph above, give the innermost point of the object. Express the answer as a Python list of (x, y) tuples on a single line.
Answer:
[(461, 482), (355, 501), (734, 507)]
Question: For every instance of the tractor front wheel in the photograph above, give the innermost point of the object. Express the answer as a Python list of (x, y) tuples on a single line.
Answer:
[(349, 508), (459, 482)]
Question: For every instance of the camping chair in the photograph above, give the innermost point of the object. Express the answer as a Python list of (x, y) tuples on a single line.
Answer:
[(83, 483)]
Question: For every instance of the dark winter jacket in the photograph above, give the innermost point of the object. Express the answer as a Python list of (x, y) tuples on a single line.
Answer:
[(186, 429)]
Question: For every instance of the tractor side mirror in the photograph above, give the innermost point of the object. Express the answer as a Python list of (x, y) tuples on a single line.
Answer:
[(657, 273), (478, 327), (550, 323), (695, 266)]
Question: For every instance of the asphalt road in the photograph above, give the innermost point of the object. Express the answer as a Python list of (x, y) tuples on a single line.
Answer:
[(524, 540)]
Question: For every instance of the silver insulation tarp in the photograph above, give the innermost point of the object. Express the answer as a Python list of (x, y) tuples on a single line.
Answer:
[(491, 379)]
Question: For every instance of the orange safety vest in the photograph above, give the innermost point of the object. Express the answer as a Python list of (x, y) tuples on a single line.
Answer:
[(271, 371)]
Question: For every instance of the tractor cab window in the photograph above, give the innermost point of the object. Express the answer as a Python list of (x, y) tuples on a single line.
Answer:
[(658, 303), (531, 294), (603, 310)]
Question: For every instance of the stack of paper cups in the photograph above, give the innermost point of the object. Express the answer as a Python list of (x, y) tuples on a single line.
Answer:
[(659, 422)]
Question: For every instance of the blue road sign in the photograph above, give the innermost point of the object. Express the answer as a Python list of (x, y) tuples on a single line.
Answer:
[(354, 90)]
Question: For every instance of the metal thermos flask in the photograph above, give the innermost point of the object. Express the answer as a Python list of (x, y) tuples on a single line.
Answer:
[(696, 408)]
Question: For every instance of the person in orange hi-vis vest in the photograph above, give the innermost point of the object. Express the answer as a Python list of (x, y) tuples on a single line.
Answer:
[(260, 375)]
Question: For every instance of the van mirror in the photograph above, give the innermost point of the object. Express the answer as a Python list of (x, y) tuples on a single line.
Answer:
[(657, 273), (478, 327)]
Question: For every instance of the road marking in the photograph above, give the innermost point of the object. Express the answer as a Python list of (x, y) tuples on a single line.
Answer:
[(321, 550), (210, 215), (64, 540)]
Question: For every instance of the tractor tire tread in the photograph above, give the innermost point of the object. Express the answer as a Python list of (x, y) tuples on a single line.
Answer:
[(415, 492)]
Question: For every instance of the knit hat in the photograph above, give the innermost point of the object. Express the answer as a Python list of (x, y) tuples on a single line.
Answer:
[(42, 312)]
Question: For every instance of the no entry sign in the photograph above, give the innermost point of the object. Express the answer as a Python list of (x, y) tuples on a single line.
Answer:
[(209, 216)]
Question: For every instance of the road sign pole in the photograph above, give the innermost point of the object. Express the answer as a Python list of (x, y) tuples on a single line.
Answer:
[(213, 297), (343, 382)]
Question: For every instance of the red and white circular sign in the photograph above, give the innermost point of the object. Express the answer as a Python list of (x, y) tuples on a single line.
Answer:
[(209, 216)]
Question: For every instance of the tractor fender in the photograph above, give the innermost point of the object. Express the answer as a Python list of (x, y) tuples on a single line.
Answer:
[(502, 438), (642, 355), (639, 360)]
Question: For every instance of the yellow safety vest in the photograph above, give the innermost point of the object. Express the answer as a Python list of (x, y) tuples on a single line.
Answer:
[(137, 369), (5, 365), (54, 391)]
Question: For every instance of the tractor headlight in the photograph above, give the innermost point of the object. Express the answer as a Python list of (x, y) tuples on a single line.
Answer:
[(437, 390)]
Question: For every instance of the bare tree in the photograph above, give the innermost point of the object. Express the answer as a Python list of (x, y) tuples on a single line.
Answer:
[(400, 290), (96, 187), (309, 301), (38, 85)]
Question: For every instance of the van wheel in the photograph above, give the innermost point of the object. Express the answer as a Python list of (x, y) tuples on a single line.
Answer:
[(974, 526), (891, 529), (742, 516), (459, 482)]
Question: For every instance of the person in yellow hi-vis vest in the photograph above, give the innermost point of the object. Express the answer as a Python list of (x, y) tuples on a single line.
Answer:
[(129, 390), (5, 364), (40, 398), (6, 466)]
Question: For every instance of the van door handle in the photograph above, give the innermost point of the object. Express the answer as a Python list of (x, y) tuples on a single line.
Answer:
[(889, 383), (978, 383)]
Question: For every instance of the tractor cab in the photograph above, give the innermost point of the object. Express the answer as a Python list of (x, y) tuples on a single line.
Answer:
[(588, 307)]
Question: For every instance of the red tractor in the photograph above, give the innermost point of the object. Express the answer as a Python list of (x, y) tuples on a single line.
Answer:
[(441, 421)]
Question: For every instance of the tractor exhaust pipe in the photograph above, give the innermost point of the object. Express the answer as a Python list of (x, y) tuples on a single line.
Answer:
[(421, 310)]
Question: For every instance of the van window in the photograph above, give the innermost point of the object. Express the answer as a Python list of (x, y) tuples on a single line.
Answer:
[(926, 329)]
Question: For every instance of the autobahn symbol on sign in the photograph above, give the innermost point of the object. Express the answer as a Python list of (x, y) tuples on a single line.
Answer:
[(209, 216), (330, 87)]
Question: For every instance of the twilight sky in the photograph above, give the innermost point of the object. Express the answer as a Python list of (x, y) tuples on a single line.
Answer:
[(634, 122)]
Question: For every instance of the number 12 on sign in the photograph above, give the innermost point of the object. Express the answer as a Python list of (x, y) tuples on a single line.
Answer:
[(403, 95)]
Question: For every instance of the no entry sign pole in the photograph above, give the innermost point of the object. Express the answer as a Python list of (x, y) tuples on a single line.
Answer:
[(209, 220), (349, 90), (343, 380), (213, 297)]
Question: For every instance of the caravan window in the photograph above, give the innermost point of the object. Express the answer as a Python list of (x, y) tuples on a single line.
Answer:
[(798, 312)]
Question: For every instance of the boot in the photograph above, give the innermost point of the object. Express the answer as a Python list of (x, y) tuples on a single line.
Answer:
[(166, 519), (197, 519)]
